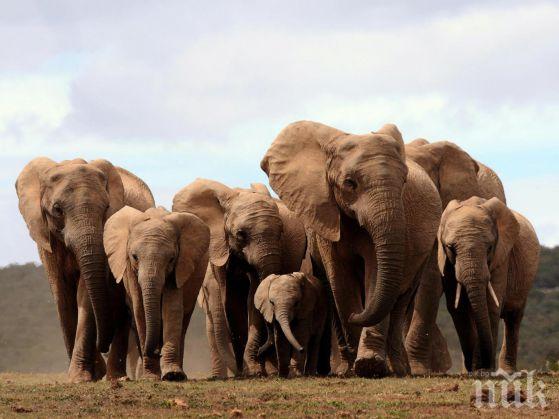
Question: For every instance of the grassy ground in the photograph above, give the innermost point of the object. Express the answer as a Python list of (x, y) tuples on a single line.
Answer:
[(48, 395)]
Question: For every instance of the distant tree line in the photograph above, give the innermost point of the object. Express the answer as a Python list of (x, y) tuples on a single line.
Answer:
[(31, 341)]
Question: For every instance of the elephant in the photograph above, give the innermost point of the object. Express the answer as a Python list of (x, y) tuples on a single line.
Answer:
[(375, 216), (252, 235), (65, 206), (492, 253), (161, 258), (295, 308), (457, 176)]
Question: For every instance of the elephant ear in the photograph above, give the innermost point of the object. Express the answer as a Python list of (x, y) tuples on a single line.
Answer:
[(207, 200), (194, 239), (115, 238), (507, 230), (29, 190), (262, 298), (260, 188), (296, 167), (115, 188), (457, 172), (441, 254)]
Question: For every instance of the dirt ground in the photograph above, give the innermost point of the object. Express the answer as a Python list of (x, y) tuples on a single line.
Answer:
[(48, 395)]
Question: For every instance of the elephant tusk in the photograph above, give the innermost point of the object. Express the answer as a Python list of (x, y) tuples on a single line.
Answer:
[(493, 295), (457, 298)]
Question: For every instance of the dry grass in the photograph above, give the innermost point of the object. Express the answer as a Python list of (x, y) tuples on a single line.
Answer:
[(48, 395)]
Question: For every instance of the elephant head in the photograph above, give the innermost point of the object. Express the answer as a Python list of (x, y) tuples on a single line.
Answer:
[(242, 222), (65, 206), (153, 250), (452, 170), (321, 172), (475, 238)]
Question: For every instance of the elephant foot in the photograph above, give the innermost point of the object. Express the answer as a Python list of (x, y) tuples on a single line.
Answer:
[(419, 368), (173, 373), (77, 375), (99, 368), (400, 368), (116, 375), (374, 366), (150, 376)]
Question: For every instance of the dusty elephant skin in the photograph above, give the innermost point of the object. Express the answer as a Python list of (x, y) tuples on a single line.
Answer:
[(65, 206), (252, 236), (161, 257), (375, 216), (295, 308), (488, 255), (457, 176)]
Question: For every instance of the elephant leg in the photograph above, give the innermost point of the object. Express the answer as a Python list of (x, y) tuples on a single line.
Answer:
[(64, 291), (509, 350), (116, 363), (256, 336), (440, 355), (133, 356), (85, 356), (172, 318), (283, 351), (397, 355), (218, 368), (371, 355), (347, 299), (302, 331), (464, 325), (420, 334), (313, 354)]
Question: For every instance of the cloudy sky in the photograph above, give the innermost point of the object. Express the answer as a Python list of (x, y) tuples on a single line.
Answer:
[(174, 90)]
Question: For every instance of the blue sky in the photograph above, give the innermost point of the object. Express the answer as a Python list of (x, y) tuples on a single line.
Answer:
[(175, 90)]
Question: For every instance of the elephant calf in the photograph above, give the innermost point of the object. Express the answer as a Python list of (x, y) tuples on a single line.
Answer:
[(162, 257), (295, 309), (492, 253)]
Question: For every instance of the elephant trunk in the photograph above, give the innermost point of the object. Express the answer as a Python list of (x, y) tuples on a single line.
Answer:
[(385, 221), (85, 236), (283, 320), (151, 296), (478, 301), (269, 342)]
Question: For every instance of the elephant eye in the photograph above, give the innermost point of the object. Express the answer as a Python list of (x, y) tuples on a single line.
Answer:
[(135, 257), (350, 184), (57, 210), (241, 235)]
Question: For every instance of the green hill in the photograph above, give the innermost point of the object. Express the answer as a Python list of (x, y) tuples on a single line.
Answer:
[(30, 338)]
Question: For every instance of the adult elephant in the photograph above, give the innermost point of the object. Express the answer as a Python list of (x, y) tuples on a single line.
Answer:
[(457, 176), (65, 206), (375, 217), (252, 235)]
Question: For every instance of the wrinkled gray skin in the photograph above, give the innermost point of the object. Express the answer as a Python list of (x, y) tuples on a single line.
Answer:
[(374, 215), (252, 236), (161, 257), (294, 307), (65, 206), (457, 176), (488, 256)]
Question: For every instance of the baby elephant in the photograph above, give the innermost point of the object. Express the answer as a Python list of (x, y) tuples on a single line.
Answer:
[(295, 309), (492, 253), (162, 257)]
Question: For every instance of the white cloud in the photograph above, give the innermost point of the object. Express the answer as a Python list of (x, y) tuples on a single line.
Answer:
[(177, 90)]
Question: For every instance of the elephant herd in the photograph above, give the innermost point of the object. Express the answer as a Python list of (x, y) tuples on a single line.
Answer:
[(342, 273)]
